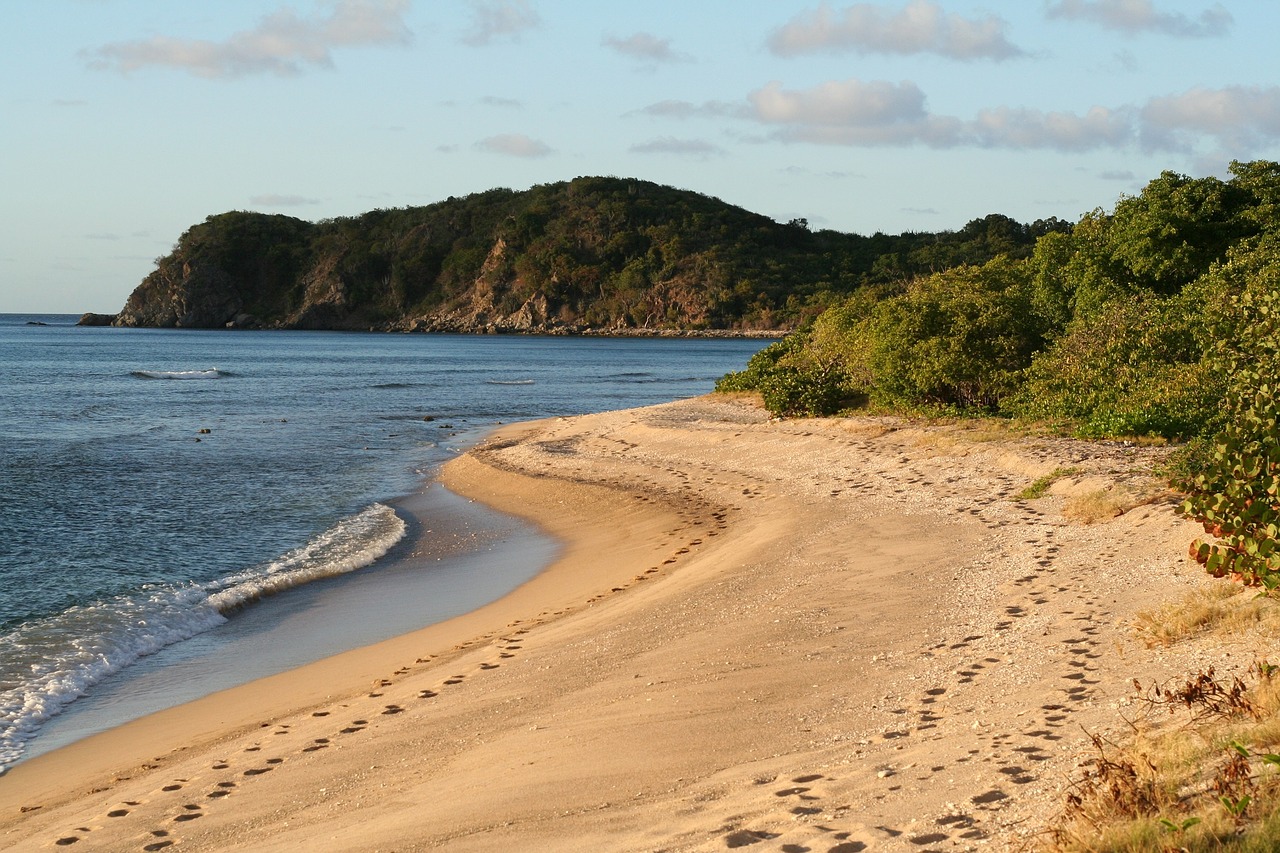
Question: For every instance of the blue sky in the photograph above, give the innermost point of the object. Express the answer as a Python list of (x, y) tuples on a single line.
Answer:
[(124, 122)]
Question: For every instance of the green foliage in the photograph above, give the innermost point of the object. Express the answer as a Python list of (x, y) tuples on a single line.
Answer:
[(1133, 368), (603, 252), (958, 338), (790, 380), (1108, 327), (1238, 497), (1040, 487)]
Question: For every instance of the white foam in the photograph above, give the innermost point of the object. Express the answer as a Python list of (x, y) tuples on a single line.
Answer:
[(46, 664), (211, 373), (351, 544)]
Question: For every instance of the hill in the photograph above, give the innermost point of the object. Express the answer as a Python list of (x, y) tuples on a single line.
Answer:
[(610, 255)]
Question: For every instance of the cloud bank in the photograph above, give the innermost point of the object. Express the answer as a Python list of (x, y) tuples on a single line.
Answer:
[(1140, 16), (283, 43), (1236, 119), (922, 26)]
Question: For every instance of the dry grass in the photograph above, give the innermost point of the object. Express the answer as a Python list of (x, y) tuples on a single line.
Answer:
[(1222, 608), (1202, 772), (1101, 505)]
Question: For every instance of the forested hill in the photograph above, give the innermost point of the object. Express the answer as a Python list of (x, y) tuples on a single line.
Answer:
[(603, 254)]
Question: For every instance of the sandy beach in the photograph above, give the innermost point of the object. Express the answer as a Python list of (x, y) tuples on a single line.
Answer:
[(830, 635)]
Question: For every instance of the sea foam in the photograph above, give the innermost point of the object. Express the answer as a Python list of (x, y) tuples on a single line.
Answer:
[(53, 661), (211, 373)]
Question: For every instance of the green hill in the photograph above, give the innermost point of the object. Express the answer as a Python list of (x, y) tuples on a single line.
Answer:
[(608, 255)]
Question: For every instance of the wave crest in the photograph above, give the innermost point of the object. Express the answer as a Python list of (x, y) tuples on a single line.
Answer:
[(211, 373), (62, 656)]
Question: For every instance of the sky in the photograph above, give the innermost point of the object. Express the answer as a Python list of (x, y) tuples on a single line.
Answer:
[(125, 122)]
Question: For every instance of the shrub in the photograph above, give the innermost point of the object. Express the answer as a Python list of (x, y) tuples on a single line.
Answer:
[(1238, 497)]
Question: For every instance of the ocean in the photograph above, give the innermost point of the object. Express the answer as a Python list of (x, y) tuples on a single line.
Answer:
[(183, 511)]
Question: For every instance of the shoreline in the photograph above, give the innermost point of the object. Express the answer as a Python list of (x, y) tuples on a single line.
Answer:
[(830, 632), (454, 557)]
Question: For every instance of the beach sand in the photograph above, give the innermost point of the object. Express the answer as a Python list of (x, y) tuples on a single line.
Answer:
[(828, 635)]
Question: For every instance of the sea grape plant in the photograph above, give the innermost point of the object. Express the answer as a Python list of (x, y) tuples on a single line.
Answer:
[(1238, 498)]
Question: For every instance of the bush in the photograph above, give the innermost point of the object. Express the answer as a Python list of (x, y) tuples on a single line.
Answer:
[(1238, 497), (1136, 367)]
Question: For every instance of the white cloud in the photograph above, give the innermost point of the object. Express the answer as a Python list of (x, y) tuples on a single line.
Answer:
[(852, 112), (682, 147), (922, 26), (1240, 119), (282, 43), (1005, 127), (514, 145), (1236, 121), (493, 19), (273, 200), (858, 113), (840, 103), (1138, 16), (688, 109), (645, 47)]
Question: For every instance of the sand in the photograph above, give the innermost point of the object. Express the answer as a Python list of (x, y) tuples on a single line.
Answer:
[(828, 635)]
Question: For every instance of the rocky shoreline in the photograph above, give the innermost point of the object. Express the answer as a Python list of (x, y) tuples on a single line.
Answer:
[(458, 326)]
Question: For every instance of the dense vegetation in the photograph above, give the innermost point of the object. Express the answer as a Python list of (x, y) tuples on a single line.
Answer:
[(1116, 326), (607, 253)]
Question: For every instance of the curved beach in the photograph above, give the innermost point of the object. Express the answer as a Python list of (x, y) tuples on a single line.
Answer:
[(829, 635)]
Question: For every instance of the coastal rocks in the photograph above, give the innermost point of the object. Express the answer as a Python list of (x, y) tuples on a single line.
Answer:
[(91, 319), (182, 294)]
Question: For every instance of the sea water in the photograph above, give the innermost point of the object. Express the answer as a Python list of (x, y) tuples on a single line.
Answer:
[(170, 498)]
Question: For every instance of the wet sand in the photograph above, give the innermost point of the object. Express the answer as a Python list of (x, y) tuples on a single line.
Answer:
[(831, 635)]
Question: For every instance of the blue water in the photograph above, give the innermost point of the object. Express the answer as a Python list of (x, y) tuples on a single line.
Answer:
[(160, 489)]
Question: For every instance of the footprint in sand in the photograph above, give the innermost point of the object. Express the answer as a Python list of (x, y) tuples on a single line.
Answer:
[(995, 795), (745, 837), (929, 838)]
